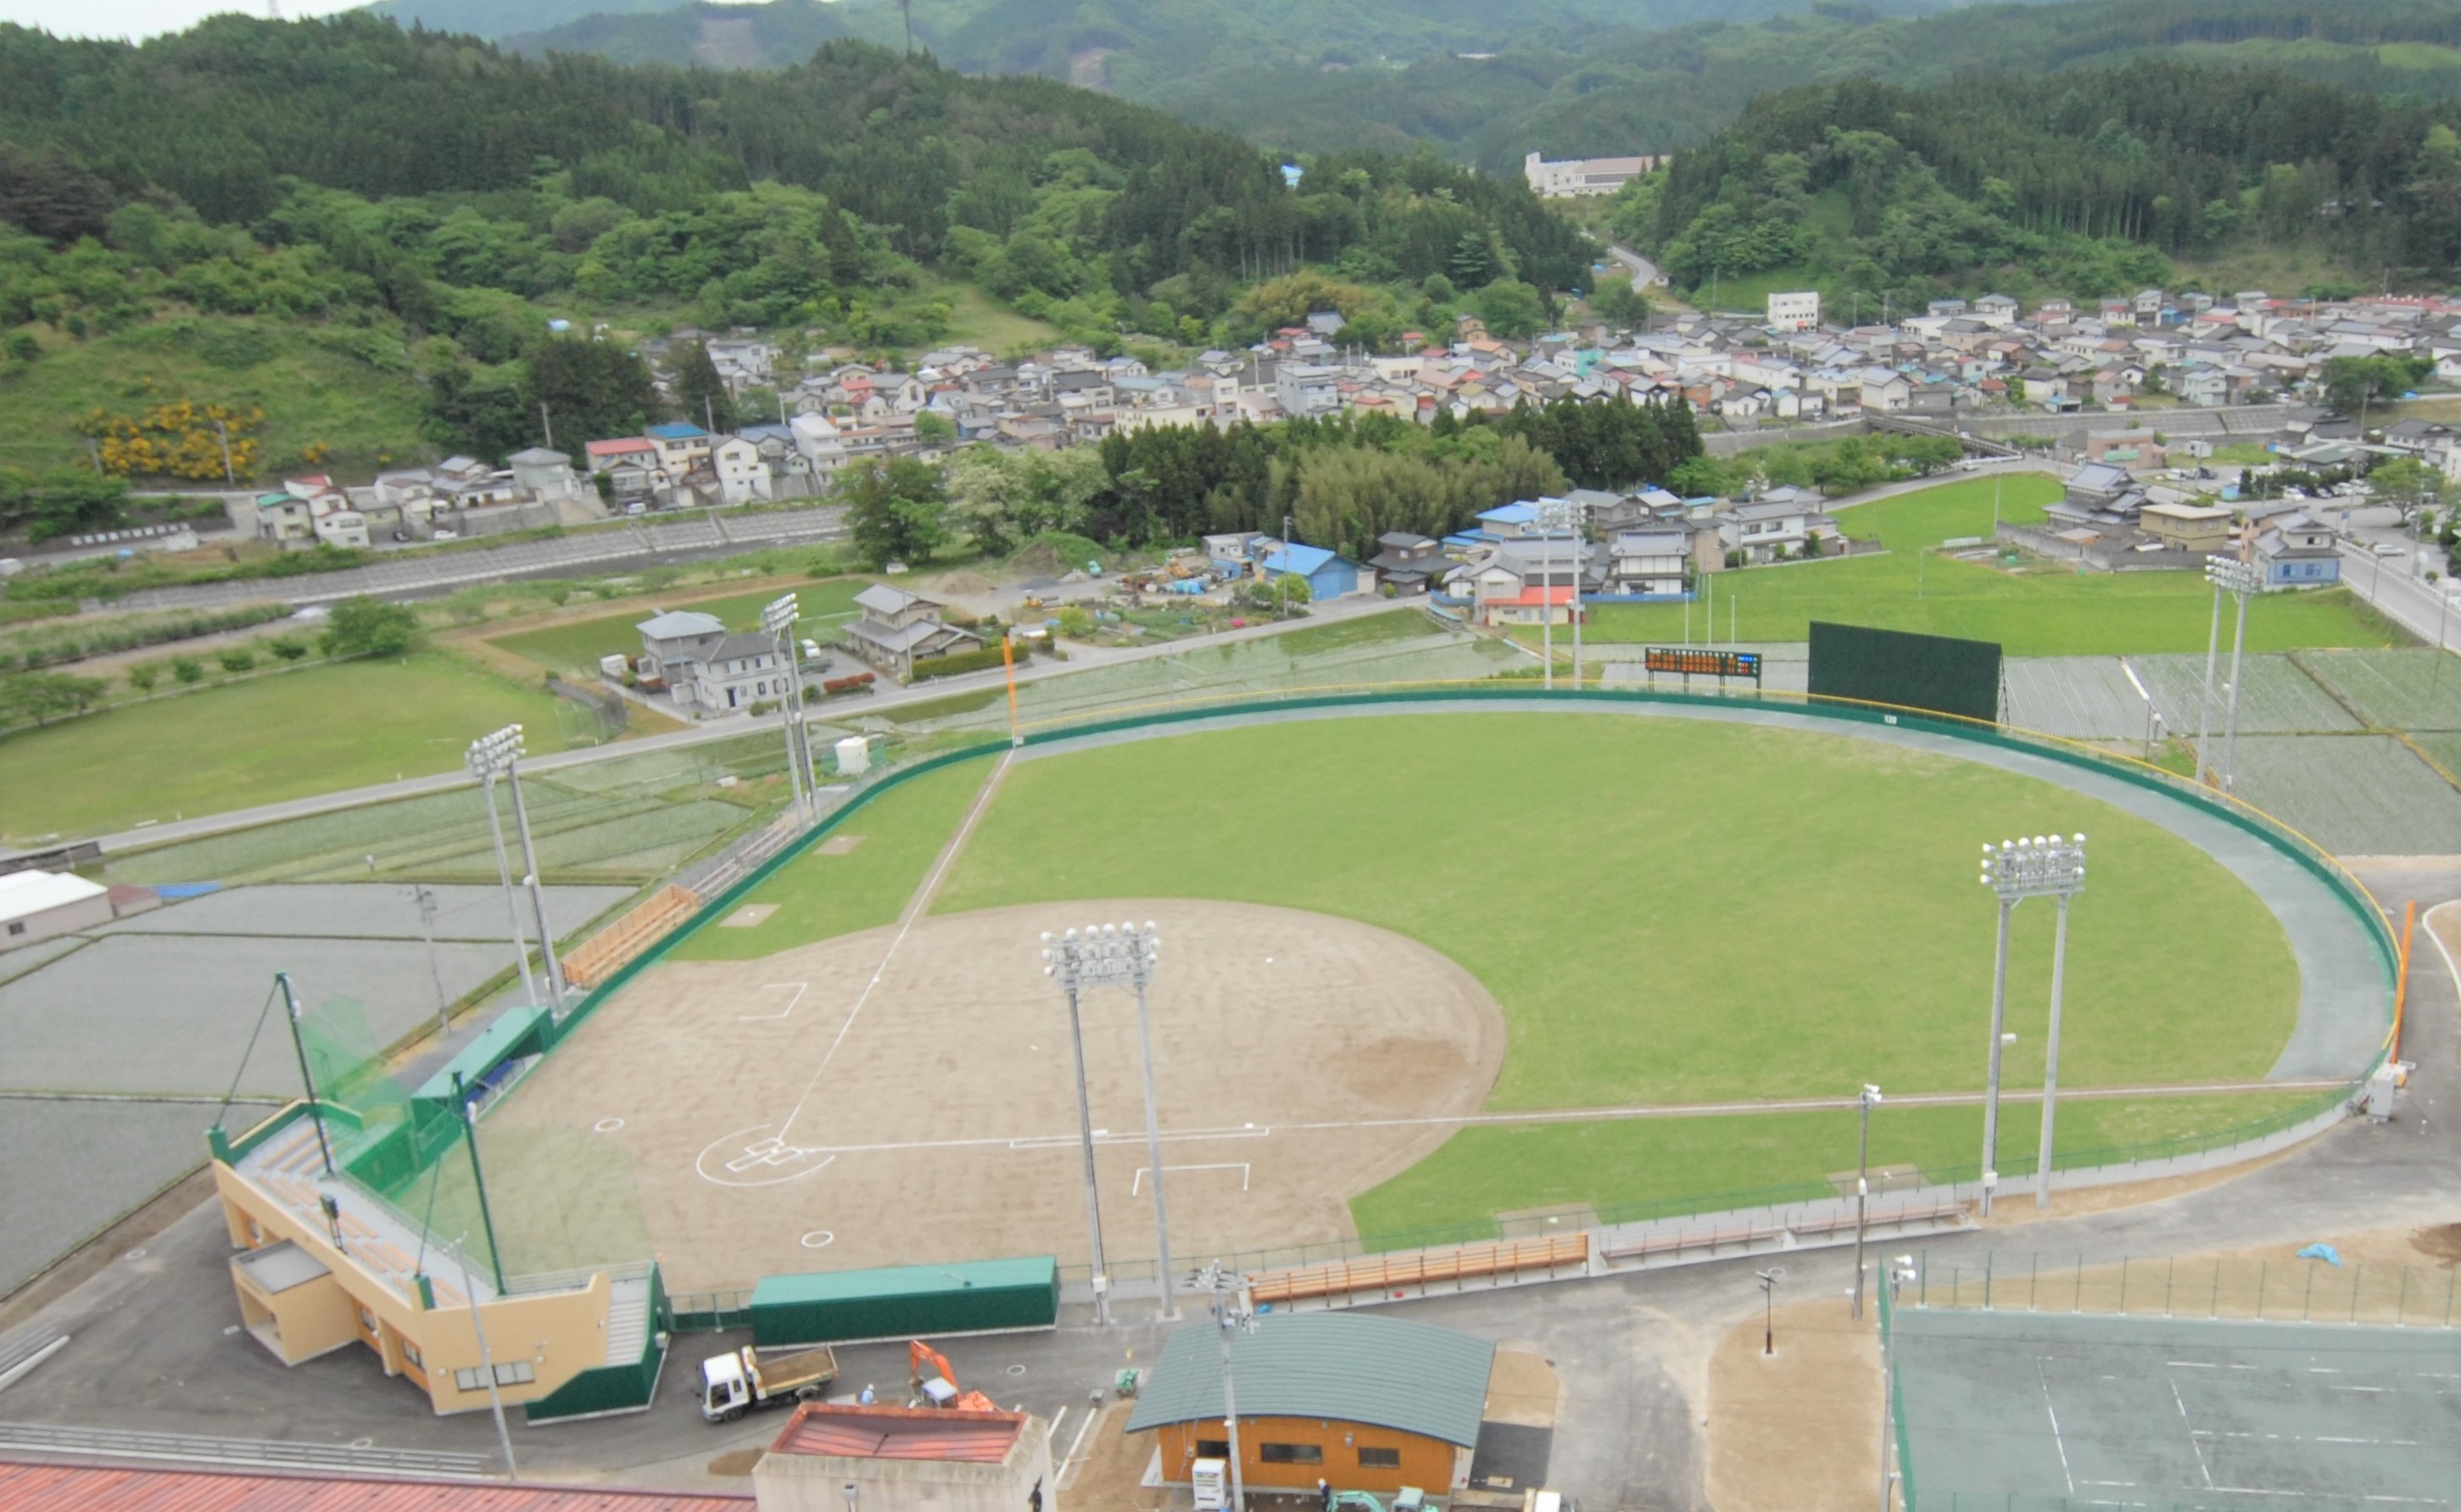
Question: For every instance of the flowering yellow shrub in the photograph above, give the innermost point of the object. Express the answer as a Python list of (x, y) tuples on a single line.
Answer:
[(180, 439)]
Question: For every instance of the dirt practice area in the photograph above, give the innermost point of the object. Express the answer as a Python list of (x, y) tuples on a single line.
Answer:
[(908, 1094)]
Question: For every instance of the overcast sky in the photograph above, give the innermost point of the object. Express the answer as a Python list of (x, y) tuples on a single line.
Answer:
[(138, 19)]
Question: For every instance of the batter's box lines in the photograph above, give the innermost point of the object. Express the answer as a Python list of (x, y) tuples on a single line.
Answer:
[(1136, 1183), (758, 1157), (797, 988)]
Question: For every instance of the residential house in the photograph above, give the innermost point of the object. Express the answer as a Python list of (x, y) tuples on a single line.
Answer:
[(1234, 553), (1650, 560), (545, 473), (2297, 551), (682, 446), (899, 628), (285, 518), (1307, 389), (673, 642), (1767, 530), (738, 672), (1409, 563), (629, 464), (822, 449), (742, 473), (1521, 582), (2201, 528)]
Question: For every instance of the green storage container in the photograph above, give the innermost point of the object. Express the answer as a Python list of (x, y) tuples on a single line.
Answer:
[(970, 1296)]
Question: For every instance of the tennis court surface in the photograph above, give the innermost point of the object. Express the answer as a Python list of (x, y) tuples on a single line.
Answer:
[(2035, 1411)]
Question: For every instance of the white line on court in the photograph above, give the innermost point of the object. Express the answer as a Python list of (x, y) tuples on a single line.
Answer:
[(1137, 1181), (2202, 1465), (2061, 1444), (801, 987)]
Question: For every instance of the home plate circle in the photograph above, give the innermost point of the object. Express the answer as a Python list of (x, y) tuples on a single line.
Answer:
[(757, 1157)]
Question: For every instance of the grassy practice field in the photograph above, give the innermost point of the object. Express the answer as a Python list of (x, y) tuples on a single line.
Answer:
[(576, 647), (2037, 614), (1665, 911), (260, 740)]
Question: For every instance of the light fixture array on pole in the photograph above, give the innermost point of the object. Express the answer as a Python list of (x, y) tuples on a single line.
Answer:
[(2044, 866), (2243, 580), (499, 754), (779, 618), (1232, 1317), (1567, 516), (1112, 956)]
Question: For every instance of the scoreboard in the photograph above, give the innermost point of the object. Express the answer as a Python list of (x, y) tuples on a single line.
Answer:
[(1699, 661)]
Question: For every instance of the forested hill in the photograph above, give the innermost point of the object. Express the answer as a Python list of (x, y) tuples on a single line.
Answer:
[(365, 231), (1487, 82), (2079, 183)]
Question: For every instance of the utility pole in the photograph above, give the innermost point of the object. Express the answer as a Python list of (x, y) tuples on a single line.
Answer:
[(1232, 1317), (546, 425), (486, 1361), (426, 898), (479, 1181), (223, 431), (1769, 1280)]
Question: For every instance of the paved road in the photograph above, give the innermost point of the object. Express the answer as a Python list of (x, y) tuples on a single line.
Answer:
[(1080, 659), (649, 538), (2426, 610), (1644, 272)]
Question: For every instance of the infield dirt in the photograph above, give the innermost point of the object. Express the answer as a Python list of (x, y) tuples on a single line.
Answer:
[(898, 1098)]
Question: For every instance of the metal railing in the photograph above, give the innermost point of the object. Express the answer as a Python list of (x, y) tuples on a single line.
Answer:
[(121, 1443)]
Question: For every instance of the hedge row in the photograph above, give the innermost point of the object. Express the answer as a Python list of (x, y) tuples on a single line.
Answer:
[(961, 662)]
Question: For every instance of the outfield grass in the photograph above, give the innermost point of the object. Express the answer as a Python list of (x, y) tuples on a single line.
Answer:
[(1747, 1159), (1670, 909), (577, 646), (2038, 615), (259, 740), (819, 897)]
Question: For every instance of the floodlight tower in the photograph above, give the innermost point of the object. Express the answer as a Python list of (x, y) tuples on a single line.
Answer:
[(778, 619), (1115, 955), (2044, 866), (2228, 575), (488, 759), (1565, 515), (1863, 1191)]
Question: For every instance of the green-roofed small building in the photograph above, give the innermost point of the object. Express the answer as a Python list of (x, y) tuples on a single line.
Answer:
[(1364, 1403)]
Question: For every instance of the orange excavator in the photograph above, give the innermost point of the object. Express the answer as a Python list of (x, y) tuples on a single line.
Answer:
[(936, 1384)]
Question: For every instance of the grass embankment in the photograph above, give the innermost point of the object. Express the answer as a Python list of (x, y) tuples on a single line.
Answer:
[(260, 740), (2042, 612), (345, 388)]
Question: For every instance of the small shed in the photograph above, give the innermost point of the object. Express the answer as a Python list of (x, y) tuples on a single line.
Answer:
[(897, 1302), (39, 904), (1327, 576), (1362, 1401)]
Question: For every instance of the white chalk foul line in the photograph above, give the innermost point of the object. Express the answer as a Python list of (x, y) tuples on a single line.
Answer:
[(801, 987), (776, 1150)]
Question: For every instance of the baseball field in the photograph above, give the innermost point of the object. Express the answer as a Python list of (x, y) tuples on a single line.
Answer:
[(1538, 961)]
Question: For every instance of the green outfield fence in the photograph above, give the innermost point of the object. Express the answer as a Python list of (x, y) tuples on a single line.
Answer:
[(401, 1142)]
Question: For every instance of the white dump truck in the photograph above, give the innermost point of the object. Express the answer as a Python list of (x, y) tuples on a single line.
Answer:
[(733, 1384)]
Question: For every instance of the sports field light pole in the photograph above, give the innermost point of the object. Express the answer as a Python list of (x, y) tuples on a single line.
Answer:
[(777, 621), (2229, 575), (500, 754), (2064, 873), (1565, 515), (485, 765), (1077, 961), (1121, 955), (1863, 1192), (2044, 866)]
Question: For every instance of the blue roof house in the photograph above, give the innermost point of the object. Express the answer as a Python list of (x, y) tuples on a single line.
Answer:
[(1508, 521), (1328, 576)]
